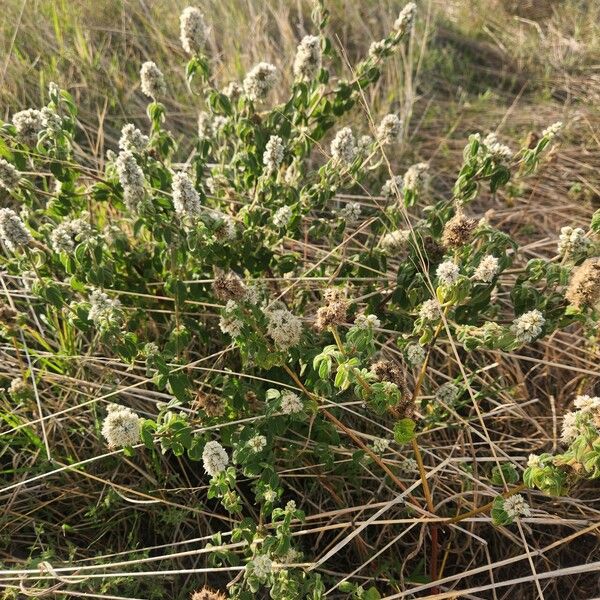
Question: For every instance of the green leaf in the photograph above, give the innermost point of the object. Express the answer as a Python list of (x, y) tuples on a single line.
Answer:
[(404, 431)]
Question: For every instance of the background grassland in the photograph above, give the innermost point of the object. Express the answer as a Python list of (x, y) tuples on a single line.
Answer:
[(514, 66)]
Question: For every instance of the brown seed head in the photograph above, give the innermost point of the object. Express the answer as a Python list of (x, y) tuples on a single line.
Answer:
[(584, 288), (211, 404), (333, 312), (387, 370), (208, 594), (228, 286), (458, 231)]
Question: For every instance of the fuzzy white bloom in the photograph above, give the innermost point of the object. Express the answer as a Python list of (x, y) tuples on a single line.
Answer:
[(132, 139), (533, 460), (487, 269), (214, 458), (351, 212), (447, 273), (259, 81), (415, 355), (233, 91), (528, 326), (192, 30), (284, 328), (377, 49), (363, 321), (152, 80), (290, 403), (219, 122), (206, 128), (9, 176), (405, 18), (408, 465), (270, 495), (261, 566), (393, 187), (186, 199), (131, 178), (587, 403), (570, 426), (395, 240), (343, 146), (104, 311), (447, 393), (228, 322), (273, 155), (389, 129), (12, 230), (364, 143), (553, 130), (416, 177), (308, 57), (282, 216), (498, 151), (572, 242), (121, 427), (380, 445), (64, 237), (257, 443), (515, 507), (430, 310), (51, 121), (28, 124)]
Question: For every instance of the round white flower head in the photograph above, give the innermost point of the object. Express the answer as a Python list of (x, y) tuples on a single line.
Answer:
[(131, 178), (515, 507), (282, 216), (186, 199), (430, 310), (572, 242), (499, 152), (12, 230), (192, 30), (233, 91), (273, 155), (487, 269), (121, 427), (409, 465), (416, 177), (363, 321), (132, 139), (395, 240), (308, 57), (587, 403), (214, 458), (261, 566), (9, 176), (206, 128), (258, 443), (343, 146), (351, 212), (415, 355), (447, 273), (28, 124), (570, 426), (65, 236), (392, 188), (284, 328), (528, 326), (447, 393), (533, 460), (290, 403), (270, 495), (364, 143), (228, 322), (553, 130), (380, 445), (104, 311), (259, 81), (51, 121), (152, 80), (406, 18), (389, 129)]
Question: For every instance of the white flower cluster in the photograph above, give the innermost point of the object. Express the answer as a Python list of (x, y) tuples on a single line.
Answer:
[(415, 355), (257, 443), (575, 422), (131, 178), (121, 427), (343, 146), (351, 212), (290, 403), (499, 152), (261, 566), (282, 216), (273, 155), (12, 230), (186, 199), (416, 177), (28, 124), (308, 57), (104, 311), (205, 126), (228, 322), (408, 465), (389, 130), (64, 237), (192, 30), (9, 176), (395, 240), (572, 242), (259, 81), (392, 188), (487, 269), (447, 273), (528, 326), (214, 458), (363, 321), (552, 130), (284, 328), (132, 139), (430, 310), (51, 121), (447, 393), (233, 90), (380, 445), (405, 18), (152, 80), (515, 507)]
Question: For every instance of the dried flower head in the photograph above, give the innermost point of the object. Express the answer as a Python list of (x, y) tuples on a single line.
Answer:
[(333, 312), (9, 176), (259, 81), (487, 269), (458, 231), (273, 155), (13, 231), (28, 124), (389, 129), (308, 57), (211, 404), (388, 370), (186, 199), (584, 287), (214, 458), (447, 273), (284, 328), (229, 286), (208, 594), (528, 326), (343, 146), (192, 30), (132, 139), (122, 427), (152, 81)]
